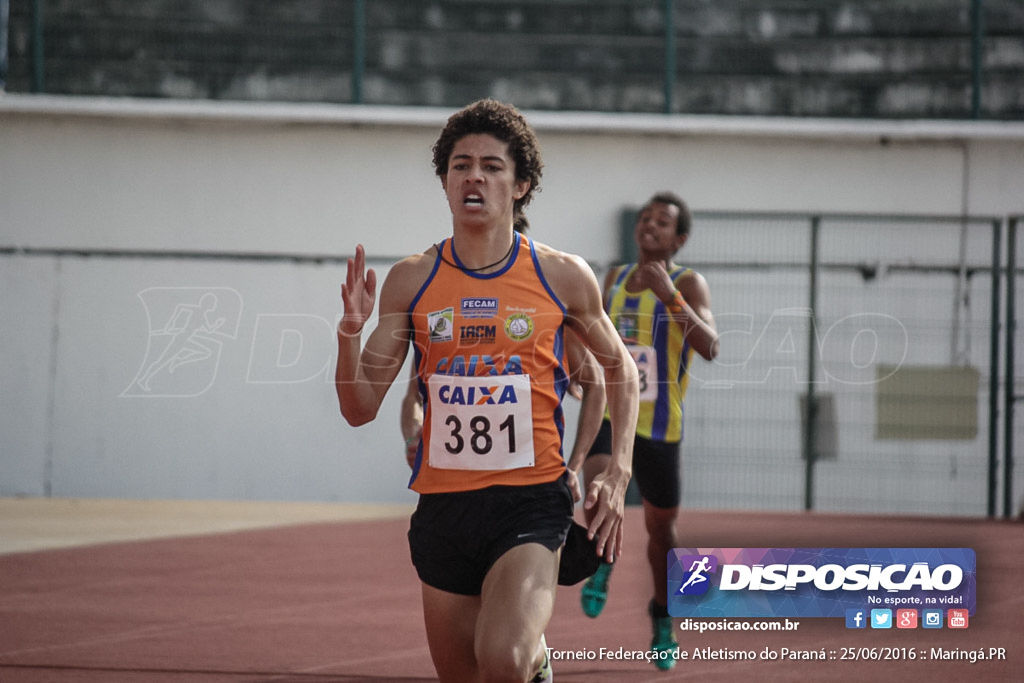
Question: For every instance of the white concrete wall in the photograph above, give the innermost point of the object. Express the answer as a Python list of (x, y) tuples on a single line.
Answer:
[(257, 419)]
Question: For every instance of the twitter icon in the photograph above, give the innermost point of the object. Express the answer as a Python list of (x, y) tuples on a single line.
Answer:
[(881, 618)]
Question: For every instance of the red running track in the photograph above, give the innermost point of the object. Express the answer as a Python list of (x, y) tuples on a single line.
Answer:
[(339, 603)]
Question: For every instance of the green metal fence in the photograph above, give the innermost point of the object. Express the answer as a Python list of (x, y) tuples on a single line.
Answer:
[(1011, 391), (860, 363), (676, 56)]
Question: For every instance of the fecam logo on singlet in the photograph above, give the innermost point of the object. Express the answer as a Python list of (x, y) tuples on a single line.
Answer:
[(479, 307)]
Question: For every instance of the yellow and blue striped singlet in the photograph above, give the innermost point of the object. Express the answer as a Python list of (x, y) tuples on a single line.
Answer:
[(662, 354)]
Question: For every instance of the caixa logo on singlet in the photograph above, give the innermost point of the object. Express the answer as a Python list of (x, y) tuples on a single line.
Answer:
[(477, 395)]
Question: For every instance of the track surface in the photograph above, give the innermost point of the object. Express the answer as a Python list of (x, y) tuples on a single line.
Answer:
[(339, 602)]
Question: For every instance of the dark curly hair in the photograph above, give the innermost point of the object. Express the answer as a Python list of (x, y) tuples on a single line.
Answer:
[(505, 123)]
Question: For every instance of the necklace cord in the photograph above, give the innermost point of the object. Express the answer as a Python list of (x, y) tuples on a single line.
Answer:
[(440, 253)]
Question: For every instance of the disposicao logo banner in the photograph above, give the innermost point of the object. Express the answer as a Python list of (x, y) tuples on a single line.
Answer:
[(817, 582)]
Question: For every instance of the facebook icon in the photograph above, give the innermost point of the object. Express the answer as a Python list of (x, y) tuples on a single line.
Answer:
[(856, 618)]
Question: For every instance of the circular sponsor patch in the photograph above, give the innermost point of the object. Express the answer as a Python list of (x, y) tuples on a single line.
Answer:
[(518, 326)]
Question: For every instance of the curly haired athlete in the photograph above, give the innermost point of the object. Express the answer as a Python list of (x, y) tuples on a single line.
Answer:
[(486, 312)]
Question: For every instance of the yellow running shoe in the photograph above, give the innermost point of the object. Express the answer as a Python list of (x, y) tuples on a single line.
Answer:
[(544, 674)]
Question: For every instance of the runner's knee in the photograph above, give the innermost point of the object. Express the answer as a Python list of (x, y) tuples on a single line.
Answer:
[(500, 662)]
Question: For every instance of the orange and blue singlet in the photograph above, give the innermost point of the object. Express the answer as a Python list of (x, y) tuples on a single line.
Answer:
[(489, 350)]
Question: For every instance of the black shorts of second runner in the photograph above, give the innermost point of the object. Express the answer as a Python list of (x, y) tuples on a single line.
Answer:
[(455, 538), (655, 467)]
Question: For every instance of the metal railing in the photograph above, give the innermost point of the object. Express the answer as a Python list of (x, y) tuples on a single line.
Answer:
[(1010, 395), (872, 267), (362, 31)]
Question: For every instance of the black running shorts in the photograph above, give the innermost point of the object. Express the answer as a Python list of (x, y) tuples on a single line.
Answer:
[(455, 538), (655, 467)]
